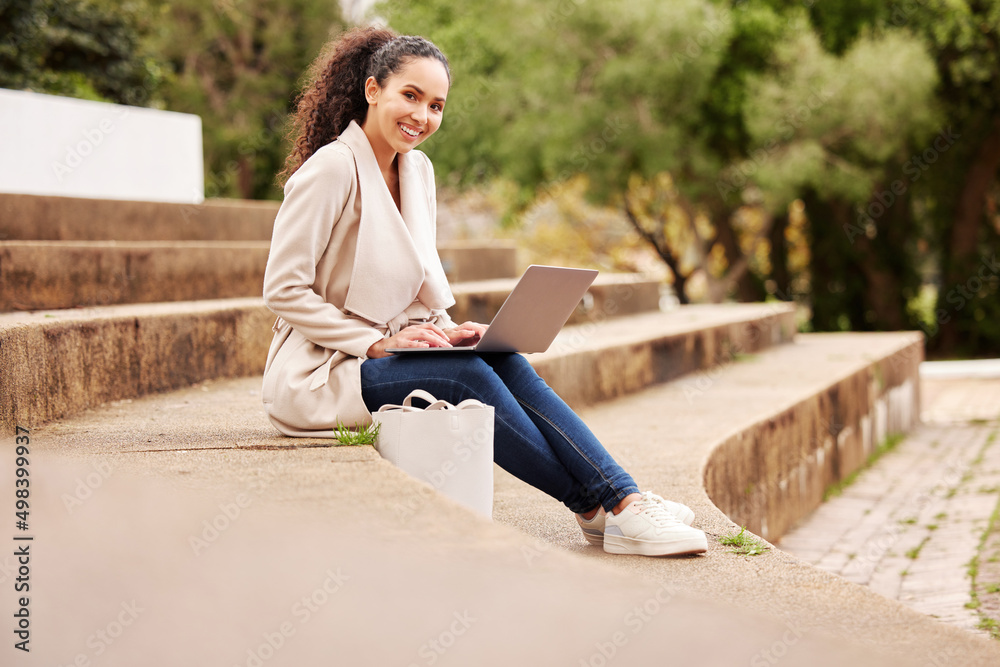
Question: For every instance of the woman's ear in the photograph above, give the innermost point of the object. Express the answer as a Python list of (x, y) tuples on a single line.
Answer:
[(371, 90)]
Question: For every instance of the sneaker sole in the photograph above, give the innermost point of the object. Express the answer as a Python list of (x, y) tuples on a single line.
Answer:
[(594, 536), (617, 544)]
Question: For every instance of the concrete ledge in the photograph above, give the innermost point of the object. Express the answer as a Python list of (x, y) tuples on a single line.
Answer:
[(611, 295), (48, 218), (59, 363), (43, 275), (601, 360), (40, 275), (64, 361), (466, 261), (773, 473)]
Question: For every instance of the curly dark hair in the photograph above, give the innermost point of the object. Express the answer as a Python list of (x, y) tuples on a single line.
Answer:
[(334, 92)]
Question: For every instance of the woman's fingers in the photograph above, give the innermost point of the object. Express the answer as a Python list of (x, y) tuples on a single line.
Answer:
[(425, 335), (467, 332), (480, 329)]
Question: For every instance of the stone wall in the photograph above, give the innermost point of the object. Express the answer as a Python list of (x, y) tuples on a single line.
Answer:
[(772, 474)]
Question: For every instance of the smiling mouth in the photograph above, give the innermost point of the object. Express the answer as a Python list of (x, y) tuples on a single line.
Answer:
[(408, 131)]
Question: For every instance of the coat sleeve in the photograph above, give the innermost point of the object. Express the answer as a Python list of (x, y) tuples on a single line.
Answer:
[(315, 198)]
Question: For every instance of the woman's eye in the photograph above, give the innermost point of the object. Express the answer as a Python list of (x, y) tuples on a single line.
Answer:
[(410, 96)]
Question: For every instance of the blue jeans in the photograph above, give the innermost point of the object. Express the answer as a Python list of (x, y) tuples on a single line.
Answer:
[(537, 437)]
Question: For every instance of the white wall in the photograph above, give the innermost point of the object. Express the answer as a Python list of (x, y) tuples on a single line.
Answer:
[(52, 145)]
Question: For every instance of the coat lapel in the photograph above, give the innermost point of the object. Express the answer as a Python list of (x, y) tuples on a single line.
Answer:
[(396, 259)]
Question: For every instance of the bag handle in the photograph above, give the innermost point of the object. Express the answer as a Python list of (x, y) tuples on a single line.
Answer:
[(434, 403), (421, 394)]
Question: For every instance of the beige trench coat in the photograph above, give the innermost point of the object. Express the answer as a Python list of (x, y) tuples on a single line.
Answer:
[(346, 268)]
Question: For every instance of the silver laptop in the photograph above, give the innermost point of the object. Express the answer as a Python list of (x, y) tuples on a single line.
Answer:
[(532, 315)]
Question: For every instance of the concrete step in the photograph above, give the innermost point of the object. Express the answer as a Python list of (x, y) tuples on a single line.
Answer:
[(180, 497), (611, 295), (50, 275), (47, 275), (58, 363), (48, 218), (465, 261), (42, 275)]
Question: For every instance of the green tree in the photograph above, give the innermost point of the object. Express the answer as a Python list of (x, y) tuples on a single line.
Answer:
[(237, 64), (628, 91), (836, 132), (962, 187), (90, 49), (951, 178), (614, 90)]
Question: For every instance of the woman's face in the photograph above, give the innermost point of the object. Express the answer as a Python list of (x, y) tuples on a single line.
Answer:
[(408, 109)]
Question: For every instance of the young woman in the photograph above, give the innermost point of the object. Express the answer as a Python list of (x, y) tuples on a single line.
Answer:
[(353, 270)]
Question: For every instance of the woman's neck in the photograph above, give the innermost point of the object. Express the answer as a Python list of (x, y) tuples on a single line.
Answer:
[(384, 154)]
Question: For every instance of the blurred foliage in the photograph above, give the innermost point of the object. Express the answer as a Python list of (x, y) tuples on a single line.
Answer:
[(943, 227), (238, 64), (235, 63), (567, 230), (703, 121), (843, 154), (765, 147), (89, 49), (960, 190)]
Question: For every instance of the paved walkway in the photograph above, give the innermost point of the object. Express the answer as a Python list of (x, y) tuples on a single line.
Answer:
[(908, 526)]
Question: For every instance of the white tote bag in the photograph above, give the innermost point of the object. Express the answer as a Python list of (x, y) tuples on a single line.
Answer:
[(448, 446)]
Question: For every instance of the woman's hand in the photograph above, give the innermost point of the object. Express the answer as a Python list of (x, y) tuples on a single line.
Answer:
[(415, 335), (466, 334)]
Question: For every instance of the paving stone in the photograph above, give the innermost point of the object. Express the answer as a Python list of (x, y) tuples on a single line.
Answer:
[(940, 475)]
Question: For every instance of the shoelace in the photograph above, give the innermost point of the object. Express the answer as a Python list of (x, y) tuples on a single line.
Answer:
[(655, 511), (670, 505), (652, 497)]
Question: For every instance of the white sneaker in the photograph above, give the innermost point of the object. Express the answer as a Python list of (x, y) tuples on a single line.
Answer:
[(646, 528), (593, 529), (683, 513)]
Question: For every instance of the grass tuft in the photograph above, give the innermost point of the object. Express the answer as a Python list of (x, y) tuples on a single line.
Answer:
[(744, 543), (364, 435), (914, 553), (990, 625), (985, 622)]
